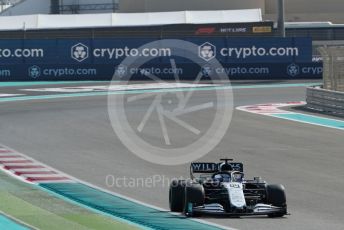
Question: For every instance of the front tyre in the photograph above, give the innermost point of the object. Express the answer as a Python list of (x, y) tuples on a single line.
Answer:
[(276, 197), (176, 195), (194, 196)]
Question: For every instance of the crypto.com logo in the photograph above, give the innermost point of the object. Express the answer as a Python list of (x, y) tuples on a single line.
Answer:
[(293, 70), (79, 52), (156, 121), (207, 70), (207, 51), (34, 72), (121, 71)]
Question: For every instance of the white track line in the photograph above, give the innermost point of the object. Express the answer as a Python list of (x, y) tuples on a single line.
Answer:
[(13, 158), (41, 175), (33, 170)]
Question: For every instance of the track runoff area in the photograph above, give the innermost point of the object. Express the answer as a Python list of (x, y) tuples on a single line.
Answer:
[(66, 161)]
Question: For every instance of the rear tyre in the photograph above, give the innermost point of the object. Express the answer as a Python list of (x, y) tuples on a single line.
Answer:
[(176, 195), (276, 197), (194, 196)]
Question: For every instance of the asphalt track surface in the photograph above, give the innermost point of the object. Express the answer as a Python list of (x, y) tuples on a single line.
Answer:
[(74, 135)]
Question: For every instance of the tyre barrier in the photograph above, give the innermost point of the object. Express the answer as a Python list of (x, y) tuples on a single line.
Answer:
[(327, 101)]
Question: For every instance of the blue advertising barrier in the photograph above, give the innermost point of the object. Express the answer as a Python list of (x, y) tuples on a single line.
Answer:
[(44, 72), (98, 59)]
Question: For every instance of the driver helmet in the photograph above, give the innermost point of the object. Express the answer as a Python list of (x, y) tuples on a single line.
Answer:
[(237, 177)]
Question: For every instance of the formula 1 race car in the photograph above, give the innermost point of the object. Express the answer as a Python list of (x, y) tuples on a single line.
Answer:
[(221, 189)]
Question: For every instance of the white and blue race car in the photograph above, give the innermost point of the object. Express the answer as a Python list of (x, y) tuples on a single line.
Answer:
[(221, 189)]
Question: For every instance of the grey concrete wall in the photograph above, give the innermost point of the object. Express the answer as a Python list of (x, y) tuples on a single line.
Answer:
[(296, 10), (308, 10), (180, 5), (307, 6)]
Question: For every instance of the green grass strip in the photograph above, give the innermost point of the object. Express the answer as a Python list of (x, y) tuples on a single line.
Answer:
[(43, 211)]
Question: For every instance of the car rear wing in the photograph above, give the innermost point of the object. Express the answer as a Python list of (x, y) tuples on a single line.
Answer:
[(203, 167)]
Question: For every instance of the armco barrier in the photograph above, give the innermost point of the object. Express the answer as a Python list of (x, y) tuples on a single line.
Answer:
[(97, 59), (327, 101)]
